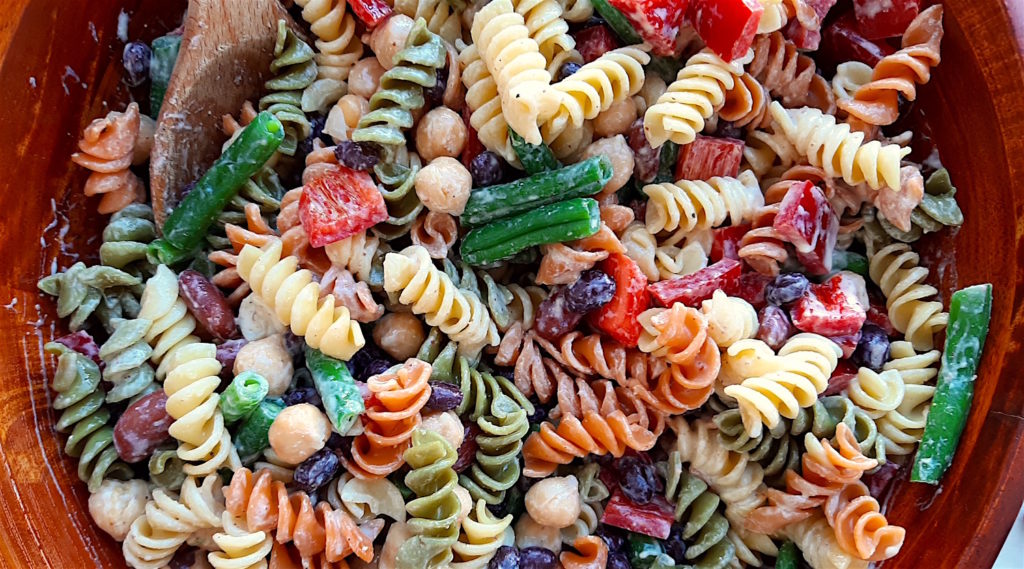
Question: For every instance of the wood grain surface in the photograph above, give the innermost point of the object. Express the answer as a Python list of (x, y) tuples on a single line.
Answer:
[(60, 67)]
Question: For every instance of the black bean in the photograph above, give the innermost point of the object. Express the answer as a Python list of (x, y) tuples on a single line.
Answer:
[(674, 544), (486, 169), (303, 395), (444, 396), (567, 69), (357, 155), (591, 291), (618, 560), (873, 348), (136, 58), (317, 470), (537, 558), (637, 479), (507, 557), (786, 288)]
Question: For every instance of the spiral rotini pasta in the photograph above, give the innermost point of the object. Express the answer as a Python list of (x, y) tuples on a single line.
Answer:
[(359, 255), (338, 47), (396, 182), (126, 238), (366, 499), (705, 530), (817, 541), (170, 520), (766, 150), (697, 93), (730, 319), (730, 475), (263, 191), (482, 535), (576, 11), (592, 554), (839, 151), (412, 276), (295, 298), (517, 66), (401, 90), (776, 449), (441, 16), (746, 104), (690, 205), (83, 291), (433, 514), (80, 397), (436, 232), (679, 335), (902, 428), (861, 529), (877, 102), (390, 420), (797, 376), (239, 548), (293, 70), (592, 493), (543, 19), (589, 355), (171, 326), (126, 358), (850, 77), (596, 418), (896, 270), (642, 248), (613, 77), (826, 472), (495, 468), (788, 74), (107, 149), (507, 303), (484, 103), (533, 373), (876, 393), (355, 296)]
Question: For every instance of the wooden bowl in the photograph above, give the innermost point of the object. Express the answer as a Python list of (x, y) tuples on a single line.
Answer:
[(60, 67)]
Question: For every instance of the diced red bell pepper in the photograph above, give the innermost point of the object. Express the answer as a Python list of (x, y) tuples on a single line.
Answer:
[(371, 12), (842, 41), (697, 287), (726, 26), (878, 315), (847, 343), (473, 146), (726, 243), (841, 378), (829, 309), (657, 21), (806, 39), (880, 19), (618, 319), (708, 157), (806, 219), (83, 343), (654, 519), (339, 204), (594, 41), (750, 286)]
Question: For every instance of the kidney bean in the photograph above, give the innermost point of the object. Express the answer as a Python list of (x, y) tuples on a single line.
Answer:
[(82, 342), (207, 304), (142, 427), (775, 328), (467, 451), (646, 160), (226, 354), (444, 396)]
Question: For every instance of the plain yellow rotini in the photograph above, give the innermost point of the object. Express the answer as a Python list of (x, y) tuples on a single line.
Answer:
[(896, 270), (768, 149), (485, 105), (801, 372), (730, 319), (903, 427), (170, 520), (544, 21), (690, 205), (442, 18), (519, 69), (338, 49), (192, 401), (172, 325), (673, 261), (576, 11), (746, 358), (295, 298), (839, 151), (817, 541), (774, 18), (412, 277), (876, 393), (355, 254), (482, 535), (240, 548), (736, 479), (849, 77), (613, 77), (696, 94), (641, 247)]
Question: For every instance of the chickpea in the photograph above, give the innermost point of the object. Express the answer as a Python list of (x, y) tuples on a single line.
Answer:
[(441, 132), (618, 152), (446, 424), (116, 505), (465, 502), (531, 534), (256, 320), (654, 87), (554, 501), (444, 184), (268, 357), (400, 334), (364, 78), (617, 119), (389, 39), (298, 432)]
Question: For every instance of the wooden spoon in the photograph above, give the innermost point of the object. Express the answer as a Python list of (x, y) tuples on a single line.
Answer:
[(226, 50)]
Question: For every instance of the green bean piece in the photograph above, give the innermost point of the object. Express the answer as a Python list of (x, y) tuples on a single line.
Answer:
[(617, 22), (535, 158), (253, 435), (555, 223), (789, 556), (242, 396), (970, 310), (667, 163), (161, 67), (849, 261), (187, 225), (337, 388), (583, 179)]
